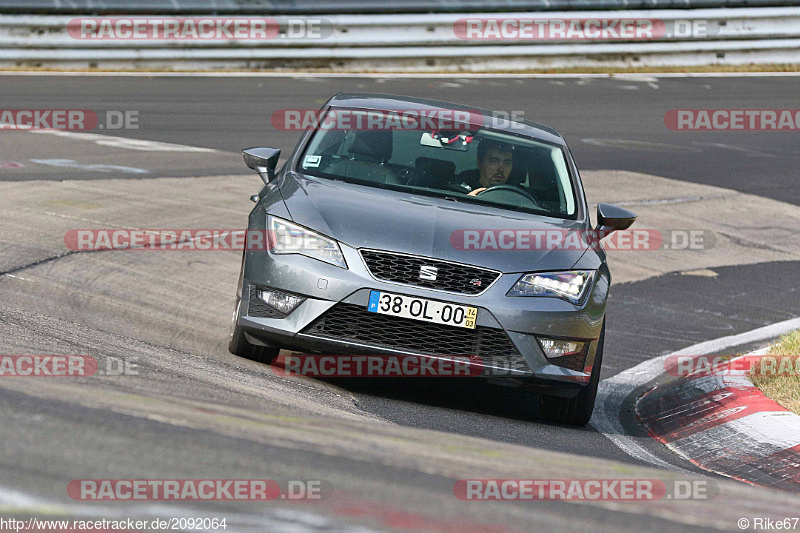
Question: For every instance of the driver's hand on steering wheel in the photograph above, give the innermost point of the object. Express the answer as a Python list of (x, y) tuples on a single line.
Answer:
[(476, 191)]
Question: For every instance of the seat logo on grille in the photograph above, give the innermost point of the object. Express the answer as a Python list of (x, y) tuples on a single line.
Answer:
[(428, 272)]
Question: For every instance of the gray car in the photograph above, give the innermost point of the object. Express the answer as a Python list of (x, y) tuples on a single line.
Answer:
[(410, 227)]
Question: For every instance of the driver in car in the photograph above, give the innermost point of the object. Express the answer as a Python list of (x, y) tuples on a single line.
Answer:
[(495, 161)]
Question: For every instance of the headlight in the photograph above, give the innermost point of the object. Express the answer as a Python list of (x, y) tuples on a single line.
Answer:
[(569, 286), (288, 238)]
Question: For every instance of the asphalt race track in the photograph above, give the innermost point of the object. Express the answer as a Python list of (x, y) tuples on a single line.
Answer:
[(609, 123), (390, 449)]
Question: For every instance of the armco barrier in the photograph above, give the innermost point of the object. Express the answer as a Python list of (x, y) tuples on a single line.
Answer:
[(418, 42), (278, 7)]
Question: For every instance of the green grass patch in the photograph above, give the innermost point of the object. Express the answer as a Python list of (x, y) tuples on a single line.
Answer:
[(779, 377)]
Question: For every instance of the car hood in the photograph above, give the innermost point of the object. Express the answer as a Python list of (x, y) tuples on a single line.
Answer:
[(367, 217)]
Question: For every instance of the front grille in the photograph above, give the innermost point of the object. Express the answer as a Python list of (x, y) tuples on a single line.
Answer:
[(452, 277), (353, 323), (258, 308)]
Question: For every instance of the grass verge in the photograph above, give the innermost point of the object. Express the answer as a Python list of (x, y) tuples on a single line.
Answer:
[(783, 383)]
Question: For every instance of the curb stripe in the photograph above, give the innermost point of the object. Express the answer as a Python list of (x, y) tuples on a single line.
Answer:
[(616, 390), (723, 423), (707, 411)]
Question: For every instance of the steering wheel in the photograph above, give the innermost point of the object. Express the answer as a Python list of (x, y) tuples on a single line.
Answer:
[(457, 188), (510, 188)]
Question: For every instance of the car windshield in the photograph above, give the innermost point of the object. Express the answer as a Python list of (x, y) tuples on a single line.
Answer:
[(469, 164)]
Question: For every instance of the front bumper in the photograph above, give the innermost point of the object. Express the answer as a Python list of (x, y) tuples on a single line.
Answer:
[(331, 290)]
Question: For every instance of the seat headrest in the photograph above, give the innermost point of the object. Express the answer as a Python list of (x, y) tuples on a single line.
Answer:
[(374, 144), (436, 167), (518, 171)]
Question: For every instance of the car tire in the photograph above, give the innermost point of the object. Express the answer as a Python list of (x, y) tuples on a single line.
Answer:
[(575, 411), (238, 344)]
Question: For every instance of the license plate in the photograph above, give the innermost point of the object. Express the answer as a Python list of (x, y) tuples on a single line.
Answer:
[(385, 303)]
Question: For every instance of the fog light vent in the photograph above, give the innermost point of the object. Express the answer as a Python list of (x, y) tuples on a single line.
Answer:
[(269, 303), (570, 354), (283, 302)]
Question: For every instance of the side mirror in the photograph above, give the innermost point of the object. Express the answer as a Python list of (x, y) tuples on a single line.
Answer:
[(263, 161), (612, 218)]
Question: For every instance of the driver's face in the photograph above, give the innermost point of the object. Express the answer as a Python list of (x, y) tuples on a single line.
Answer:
[(495, 167)]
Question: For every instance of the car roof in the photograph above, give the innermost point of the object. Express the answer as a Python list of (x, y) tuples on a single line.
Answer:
[(392, 102)]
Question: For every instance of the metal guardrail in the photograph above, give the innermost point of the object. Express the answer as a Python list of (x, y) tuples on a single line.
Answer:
[(294, 7), (418, 42)]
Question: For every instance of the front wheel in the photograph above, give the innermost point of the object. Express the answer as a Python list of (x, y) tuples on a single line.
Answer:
[(576, 411), (238, 344)]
